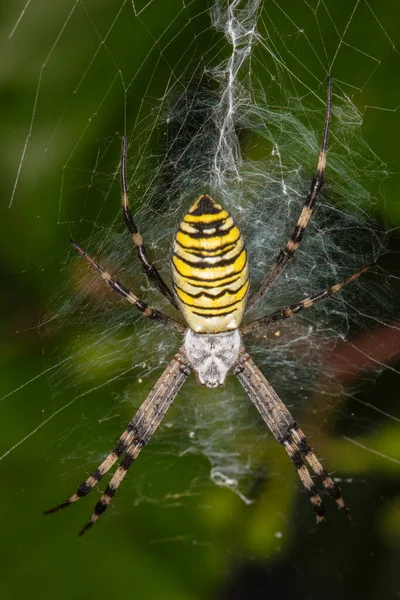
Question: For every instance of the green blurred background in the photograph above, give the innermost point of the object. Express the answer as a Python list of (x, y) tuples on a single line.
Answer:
[(171, 533)]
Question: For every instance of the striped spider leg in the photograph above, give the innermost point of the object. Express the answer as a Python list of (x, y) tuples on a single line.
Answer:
[(274, 412), (293, 309), (137, 434), (286, 255), (137, 239), (118, 287), (285, 430)]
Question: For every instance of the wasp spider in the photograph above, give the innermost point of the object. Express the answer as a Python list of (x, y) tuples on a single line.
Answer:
[(210, 289)]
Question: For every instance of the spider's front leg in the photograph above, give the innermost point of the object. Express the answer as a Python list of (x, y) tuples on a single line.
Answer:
[(286, 255), (148, 267), (285, 430)]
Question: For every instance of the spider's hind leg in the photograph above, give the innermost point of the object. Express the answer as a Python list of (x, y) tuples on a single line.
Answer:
[(138, 433), (101, 506), (305, 477), (284, 428), (86, 487), (304, 447)]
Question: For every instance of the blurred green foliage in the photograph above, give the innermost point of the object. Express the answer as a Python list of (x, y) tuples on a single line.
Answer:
[(196, 538)]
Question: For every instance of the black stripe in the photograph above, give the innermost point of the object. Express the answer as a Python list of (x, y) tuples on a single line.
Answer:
[(296, 457), (127, 216), (200, 234), (212, 296), (213, 279), (316, 184), (201, 225), (334, 491), (84, 489), (225, 262), (122, 446), (205, 206), (127, 461), (303, 446), (319, 509), (312, 492), (97, 474), (110, 490), (221, 314), (100, 508), (211, 253), (297, 234), (86, 528), (201, 285)]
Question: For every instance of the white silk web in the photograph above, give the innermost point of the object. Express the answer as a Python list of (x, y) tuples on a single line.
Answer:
[(220, 98)]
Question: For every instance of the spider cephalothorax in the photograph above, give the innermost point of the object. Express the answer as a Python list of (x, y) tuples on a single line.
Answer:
[(210, 290), (212, 355)]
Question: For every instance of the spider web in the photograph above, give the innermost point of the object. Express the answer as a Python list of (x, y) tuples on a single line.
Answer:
[(213, 97)]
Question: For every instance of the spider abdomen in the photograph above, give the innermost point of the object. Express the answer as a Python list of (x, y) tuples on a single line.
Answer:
[(209, 268)]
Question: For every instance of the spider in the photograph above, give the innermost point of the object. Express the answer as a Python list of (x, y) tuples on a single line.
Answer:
[(210, 284)]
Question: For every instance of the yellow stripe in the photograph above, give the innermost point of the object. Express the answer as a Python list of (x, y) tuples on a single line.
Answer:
[(206, 218), (209, 243), (212, 272)]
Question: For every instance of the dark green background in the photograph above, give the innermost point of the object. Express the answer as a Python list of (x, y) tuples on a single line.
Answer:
[(197, 540)]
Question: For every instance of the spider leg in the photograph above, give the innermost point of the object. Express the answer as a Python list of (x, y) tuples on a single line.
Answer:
[(86, 487), (305, 478), (118, 287), (116, 480), (285, 430), (285, 256), (137, 239), (328, 483), (293, 309), (138, 432)]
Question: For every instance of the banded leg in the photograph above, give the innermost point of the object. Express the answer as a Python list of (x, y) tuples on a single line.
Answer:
[(287, 253), (293, 309), (285, 430), (305, 478), (139, 431), (137, 239), (328, 483), (118, 287)]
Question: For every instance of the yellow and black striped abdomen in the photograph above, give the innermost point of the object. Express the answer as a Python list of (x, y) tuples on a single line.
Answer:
[(209, 268)]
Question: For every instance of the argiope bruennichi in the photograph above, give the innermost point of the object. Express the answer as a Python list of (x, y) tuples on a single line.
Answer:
[(210, 290)]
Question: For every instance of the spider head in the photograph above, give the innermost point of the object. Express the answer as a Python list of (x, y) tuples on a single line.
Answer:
[(212, 355)]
